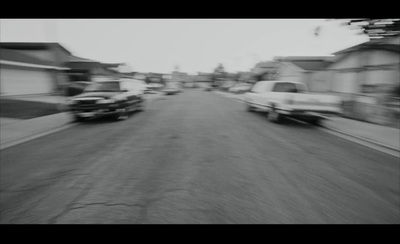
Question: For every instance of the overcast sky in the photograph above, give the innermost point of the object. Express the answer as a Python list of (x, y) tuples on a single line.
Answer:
[(195, 45)]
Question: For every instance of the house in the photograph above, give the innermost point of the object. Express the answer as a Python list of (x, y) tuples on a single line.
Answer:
[(265, 70), (155, 78), (245, 77), (167, 77), (139, 76), (68, 67), (49, 51), (370, 67), (306, 69), (366, 76), (81, 69), (232, 76), (122, 70), (24, 74), (203, 77), (177, 76), (53, 54)]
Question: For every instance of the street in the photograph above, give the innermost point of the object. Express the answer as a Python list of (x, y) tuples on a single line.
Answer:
[(197, 158)]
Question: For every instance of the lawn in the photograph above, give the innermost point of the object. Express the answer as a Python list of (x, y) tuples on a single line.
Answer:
[(17, 109)]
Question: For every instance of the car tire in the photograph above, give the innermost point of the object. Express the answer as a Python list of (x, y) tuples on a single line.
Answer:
[(121, 116), (250, 108), (141, 106), (274, 116), (78, 119), (315, 121)]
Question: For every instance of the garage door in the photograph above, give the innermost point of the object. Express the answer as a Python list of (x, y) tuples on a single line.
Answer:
[(16, 81)]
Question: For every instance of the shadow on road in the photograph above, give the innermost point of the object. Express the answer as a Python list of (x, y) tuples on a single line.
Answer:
[(286, 121), (105, 119)]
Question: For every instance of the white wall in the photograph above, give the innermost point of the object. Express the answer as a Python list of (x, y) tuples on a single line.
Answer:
[(290, 72), (367, 58), (381, 57), (319, 81), (345, 82), (349, 62), (21, 81)]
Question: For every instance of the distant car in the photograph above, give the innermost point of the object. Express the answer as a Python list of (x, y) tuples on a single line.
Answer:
[(171, 90), (240, 88), (76, 88), (140, 85), (115, 98), (227, 85), (153, 88)]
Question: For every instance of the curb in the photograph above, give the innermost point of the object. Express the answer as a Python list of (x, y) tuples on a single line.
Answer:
[(363, 138), (36, 135), (362, 141)]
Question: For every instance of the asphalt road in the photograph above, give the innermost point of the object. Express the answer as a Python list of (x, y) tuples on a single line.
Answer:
[(197, 158)]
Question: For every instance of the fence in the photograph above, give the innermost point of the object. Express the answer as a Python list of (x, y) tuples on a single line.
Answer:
[(372, 108)]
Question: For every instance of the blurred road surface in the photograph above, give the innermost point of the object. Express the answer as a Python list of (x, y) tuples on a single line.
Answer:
[(195, 158)]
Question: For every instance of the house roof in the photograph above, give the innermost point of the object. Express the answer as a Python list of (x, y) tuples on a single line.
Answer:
[(83, 65), (311, 64), (266, 64), (378, 44), (112, 65), (371, 45), (22, 58), (32, 45), (264, 67), (73, 58), (302, 58)]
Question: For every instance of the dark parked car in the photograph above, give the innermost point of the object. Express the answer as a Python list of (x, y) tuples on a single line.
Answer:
[(172, 88), (116, 98), (226, 85), (76, 88)]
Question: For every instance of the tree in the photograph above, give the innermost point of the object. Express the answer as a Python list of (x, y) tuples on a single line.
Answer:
[(219, 73), (376, 28)]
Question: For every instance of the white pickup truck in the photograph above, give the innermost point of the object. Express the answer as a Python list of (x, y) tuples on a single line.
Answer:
[(291, 99)]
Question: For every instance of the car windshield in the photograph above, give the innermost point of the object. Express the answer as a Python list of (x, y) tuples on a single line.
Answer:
[(103, 86), (288, 87)]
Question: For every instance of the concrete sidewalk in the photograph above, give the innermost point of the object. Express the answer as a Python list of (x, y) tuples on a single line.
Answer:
[(382, 135), (16, 131)]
